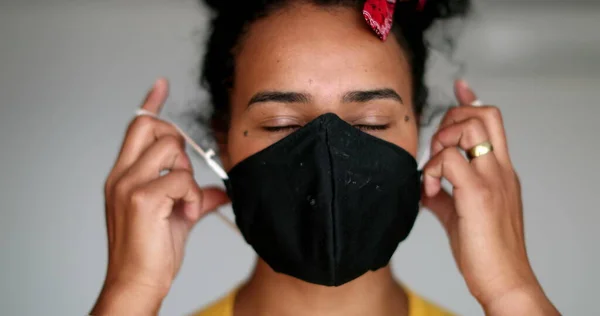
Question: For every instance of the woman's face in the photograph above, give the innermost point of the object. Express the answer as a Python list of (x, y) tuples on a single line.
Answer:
[(304, 61)]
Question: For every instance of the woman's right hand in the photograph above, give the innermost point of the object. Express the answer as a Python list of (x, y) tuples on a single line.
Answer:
[(149, 216)]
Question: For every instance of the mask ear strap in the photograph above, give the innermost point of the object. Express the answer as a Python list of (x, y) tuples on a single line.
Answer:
[(207, 155), (227, 221)]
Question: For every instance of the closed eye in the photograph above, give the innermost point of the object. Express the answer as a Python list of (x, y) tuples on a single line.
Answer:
[(367, 128), (288, 128), (285, 128)]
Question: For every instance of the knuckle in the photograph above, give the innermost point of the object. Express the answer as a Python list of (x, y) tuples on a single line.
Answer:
[(169, 146), (516, 179), (197, 191), (121, 187), (108, 186), (453, 111), (475, 125), (187, 163), (475, 130), (184, 176), (138, 198), (483, 191), (494, 113), (450, 116), (172, 142), (444, 133), (142, 123), (451, 154), (174, 149), (437, 136)]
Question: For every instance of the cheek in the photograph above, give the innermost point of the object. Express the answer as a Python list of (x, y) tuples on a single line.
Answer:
[(405, 133), (240, 144), (409, 140), (413, 143), (243, 144)]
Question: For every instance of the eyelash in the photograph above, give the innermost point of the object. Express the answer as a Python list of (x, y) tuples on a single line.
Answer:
[(362, 127), (366, 128), (275, 129)]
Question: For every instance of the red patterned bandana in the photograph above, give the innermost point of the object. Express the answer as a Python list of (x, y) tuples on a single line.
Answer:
[(380, 14)]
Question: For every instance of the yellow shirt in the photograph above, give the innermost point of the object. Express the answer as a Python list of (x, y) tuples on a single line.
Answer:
[(417, 306)]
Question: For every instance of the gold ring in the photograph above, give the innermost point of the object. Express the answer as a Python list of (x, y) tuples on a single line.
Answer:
[(480, 150)]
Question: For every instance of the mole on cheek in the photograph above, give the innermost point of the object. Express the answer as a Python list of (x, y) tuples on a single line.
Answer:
[(406, 118), (245, 133)]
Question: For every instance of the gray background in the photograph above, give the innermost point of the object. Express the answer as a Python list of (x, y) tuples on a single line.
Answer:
[(72, 73)]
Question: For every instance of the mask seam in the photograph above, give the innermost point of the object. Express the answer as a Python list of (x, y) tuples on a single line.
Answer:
[(332, 206)]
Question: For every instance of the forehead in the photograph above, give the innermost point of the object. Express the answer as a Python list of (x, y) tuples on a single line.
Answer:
[(332, 47)]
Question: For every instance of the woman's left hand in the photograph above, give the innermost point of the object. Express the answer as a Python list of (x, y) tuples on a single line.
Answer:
[(483, 215)]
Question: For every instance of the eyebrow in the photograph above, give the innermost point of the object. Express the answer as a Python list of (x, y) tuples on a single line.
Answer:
[(349, 97), (369, 95), (281, 97)]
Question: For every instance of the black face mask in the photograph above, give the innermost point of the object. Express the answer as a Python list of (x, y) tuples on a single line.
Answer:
[(327, 203)]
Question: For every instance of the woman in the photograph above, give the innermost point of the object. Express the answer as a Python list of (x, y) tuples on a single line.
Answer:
[(317, 119)]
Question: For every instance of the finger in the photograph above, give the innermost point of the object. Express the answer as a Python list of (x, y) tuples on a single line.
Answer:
[(160, 196), (490, 115), (442, 206), (109, 217), (141, 128), (466, 135), (465, 94), (213, 198), (493, 123), (168, 153), (157, 96), (142, 132), (451, 165)]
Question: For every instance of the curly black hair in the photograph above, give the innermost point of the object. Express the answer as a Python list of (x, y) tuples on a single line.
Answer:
[(229, 25)]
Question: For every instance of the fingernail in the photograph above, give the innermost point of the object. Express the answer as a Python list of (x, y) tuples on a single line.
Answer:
[(477, 103), (464, 83)]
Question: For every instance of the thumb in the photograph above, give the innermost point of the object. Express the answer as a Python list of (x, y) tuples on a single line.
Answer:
[(442, 206), (213, 198)]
